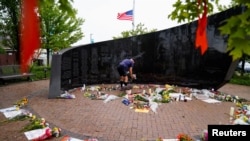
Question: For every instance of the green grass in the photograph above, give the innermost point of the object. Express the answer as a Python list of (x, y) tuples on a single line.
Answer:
[(40, 72), (239, 79)]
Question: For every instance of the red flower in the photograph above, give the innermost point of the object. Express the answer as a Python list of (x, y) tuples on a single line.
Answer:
[(184, 137)]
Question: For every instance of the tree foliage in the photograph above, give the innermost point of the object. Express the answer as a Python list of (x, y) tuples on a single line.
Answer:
[(59, 29), (59, 26), (237, 28), (139, 30), (9, 23), (64, 5), (187, 11)]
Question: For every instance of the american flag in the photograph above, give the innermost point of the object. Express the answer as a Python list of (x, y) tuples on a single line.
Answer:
[(128, 15)]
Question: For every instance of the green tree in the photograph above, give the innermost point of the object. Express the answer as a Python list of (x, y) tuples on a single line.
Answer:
[(59, 29), (139, 30), (10, 11), (237, 28), (64, 5), (9, 24)]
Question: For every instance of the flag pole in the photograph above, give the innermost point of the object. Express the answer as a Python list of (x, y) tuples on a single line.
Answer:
[(133, 22)]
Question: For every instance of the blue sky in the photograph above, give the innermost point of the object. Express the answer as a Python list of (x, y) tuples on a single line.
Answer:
[(101, 23)]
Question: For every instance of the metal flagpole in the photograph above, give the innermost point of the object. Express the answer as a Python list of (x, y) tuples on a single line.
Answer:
[(133, 22)]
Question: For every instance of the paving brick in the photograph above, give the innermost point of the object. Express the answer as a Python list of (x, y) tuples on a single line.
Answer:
[(114, 121)]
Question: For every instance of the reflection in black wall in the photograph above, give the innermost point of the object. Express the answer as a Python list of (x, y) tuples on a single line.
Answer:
[(163, 57)]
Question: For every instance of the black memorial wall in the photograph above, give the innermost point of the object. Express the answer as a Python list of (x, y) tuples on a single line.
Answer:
[(164, 57)]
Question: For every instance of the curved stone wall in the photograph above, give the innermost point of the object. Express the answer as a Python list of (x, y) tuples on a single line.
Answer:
[(163, 57)]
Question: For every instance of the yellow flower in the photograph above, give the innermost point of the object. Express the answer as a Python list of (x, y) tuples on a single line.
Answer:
[(33, 117), (17, 108), (25, 100), (166, 97)]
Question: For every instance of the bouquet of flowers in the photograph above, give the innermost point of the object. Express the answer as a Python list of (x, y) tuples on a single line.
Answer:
[(21, 103), (184, 137)]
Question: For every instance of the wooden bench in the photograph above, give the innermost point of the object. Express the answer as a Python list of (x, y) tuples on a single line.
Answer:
[(9, 72)]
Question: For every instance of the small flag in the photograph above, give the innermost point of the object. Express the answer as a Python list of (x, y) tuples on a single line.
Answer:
[(126, 15)]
